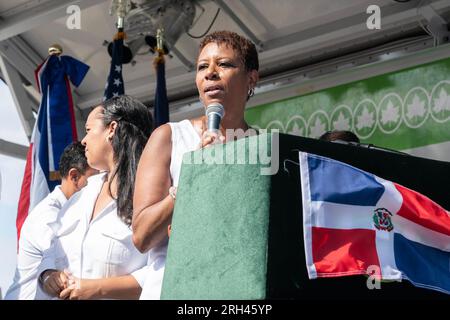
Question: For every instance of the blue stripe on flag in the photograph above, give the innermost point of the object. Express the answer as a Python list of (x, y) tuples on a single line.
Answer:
[(60, 125), (423, 265), (336, 182), (42, 144)]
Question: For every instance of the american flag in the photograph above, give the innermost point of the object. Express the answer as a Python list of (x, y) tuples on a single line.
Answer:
[(114, 84)]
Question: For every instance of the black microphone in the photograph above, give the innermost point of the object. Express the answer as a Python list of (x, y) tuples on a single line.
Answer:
[(369, 146), (214, 112)]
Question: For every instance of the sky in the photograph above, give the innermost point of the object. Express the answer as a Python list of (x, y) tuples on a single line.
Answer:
[(11, 173)]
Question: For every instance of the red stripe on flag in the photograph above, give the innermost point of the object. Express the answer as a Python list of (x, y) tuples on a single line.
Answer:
[(343, 251), (72, 114), (24, 200), (423, 211)]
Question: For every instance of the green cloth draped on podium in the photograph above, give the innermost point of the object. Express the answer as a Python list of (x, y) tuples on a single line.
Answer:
[(218, 245)]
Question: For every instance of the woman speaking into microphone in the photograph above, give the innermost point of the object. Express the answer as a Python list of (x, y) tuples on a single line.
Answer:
[(227, 73)]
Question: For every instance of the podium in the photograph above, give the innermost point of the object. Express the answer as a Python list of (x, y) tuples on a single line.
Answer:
[(237, 228)]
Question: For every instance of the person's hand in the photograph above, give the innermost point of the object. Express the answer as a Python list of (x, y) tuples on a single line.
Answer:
[(173, 192), (210, 138), (80, 289), (54, 281)]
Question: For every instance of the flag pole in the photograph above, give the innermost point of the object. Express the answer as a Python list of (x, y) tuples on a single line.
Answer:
[(159, 46), (120, 21), (121, 9), (159, 38), (55, 50)]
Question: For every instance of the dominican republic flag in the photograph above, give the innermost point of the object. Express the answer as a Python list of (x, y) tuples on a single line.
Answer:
[(114, 84), (355, 221), (54, 129)]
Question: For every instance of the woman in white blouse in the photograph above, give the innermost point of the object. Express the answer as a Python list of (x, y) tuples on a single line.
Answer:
[(94, 255), (227, 73)]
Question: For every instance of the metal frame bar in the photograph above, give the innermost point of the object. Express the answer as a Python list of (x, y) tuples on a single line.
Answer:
[(258, 43), (19, 94), (253, 10), (19, 59), (13, 149), (189, 66)]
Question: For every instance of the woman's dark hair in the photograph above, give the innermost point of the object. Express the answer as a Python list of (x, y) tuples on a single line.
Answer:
[(134, 126), (244, 47), (339, 135)]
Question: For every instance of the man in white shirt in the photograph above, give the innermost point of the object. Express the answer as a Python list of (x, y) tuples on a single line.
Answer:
[(36, 236)]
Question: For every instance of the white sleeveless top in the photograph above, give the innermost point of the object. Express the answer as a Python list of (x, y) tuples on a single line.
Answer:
[(184, 139)]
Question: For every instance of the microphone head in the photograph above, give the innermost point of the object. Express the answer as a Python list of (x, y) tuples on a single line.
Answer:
[(215, 108), (214, 113)]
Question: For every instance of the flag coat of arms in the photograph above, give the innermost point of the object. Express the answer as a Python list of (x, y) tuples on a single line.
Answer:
[(357, 223), (55, 128)]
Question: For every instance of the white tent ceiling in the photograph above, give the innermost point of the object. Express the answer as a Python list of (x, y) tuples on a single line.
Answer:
[(291, 34)]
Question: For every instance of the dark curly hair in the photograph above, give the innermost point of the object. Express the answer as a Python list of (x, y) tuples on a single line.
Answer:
[(339, 135), (134, 126), (73, 157), (244, 47)]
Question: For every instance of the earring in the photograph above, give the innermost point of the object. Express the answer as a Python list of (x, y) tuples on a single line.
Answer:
[(251, 92)]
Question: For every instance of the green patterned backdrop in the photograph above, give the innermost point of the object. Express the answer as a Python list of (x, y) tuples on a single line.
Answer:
[(400, 110)]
